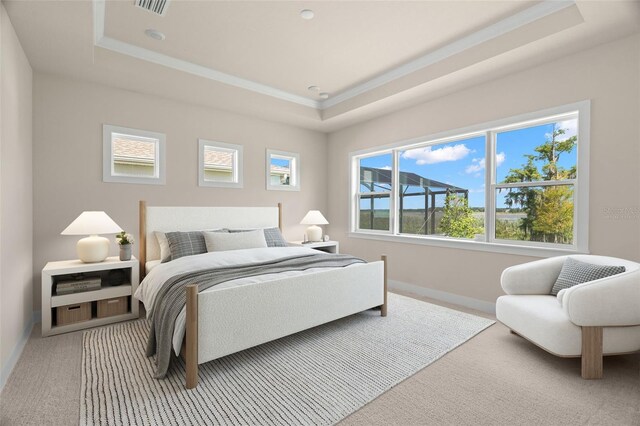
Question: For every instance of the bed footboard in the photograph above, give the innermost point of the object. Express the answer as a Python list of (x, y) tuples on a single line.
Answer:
[(225, 321)]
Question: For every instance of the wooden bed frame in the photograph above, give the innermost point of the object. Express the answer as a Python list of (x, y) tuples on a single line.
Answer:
[(229, 320)]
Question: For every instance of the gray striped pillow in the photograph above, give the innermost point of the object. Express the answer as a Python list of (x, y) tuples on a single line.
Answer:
[(575, 272), (274, 237), (185, 244)]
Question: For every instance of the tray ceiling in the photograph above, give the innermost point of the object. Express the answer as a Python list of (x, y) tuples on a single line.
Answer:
[(260, 57)]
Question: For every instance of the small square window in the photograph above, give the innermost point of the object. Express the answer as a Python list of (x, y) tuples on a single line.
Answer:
[(132, 155), (283, 171), (219, 164)]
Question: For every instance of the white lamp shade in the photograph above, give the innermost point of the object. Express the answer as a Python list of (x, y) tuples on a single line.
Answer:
[(92, 223), (92, 248), (314, 217)]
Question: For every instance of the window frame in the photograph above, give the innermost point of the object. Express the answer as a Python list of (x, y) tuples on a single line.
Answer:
[(579, 110), (108, 174), (391, 193), (236, 167), (294, 159)]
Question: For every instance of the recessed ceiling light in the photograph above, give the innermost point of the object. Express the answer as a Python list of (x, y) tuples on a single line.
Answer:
[(307, 14), (313, 88), (154, 34), (324, 95)]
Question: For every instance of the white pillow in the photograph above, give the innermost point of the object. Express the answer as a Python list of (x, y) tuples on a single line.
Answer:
[(217, 241), (165, 251), (150, 265)]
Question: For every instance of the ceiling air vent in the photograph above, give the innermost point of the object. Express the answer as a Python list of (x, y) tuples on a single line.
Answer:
[(155, 6)]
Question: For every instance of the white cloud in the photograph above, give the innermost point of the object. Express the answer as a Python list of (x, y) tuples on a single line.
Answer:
[(570, 127), (385, 168), (478, 164), (427, 155)]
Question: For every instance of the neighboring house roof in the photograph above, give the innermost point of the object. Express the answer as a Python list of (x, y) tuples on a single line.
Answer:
[(217, 159), (133, 150), (279, 170)]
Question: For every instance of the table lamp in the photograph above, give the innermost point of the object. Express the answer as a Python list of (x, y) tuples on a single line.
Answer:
[(314, 218), (92, 248)]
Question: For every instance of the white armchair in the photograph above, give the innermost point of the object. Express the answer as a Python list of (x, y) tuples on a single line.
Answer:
[(589, 320)]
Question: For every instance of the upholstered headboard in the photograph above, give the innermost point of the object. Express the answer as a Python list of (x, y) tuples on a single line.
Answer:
[(167, 219)]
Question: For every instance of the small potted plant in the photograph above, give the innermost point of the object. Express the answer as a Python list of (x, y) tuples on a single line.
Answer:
[(125, 241)]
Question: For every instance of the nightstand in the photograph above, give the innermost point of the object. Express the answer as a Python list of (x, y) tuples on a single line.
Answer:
[(106, 304), (326, 246)]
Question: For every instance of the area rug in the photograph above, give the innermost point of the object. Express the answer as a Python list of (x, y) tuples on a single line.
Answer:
[(316, 377)]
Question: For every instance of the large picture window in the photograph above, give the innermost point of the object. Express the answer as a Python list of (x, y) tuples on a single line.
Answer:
[(515, 184)]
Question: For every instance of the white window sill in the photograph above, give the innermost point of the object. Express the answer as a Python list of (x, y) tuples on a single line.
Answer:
[(468, 244)]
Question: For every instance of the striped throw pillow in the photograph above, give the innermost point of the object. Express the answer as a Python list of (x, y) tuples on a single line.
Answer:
[(183, 244), (274, 237), (575, 272)]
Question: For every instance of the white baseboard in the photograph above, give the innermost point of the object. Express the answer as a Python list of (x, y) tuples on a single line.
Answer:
[(17, 350), (443, 296)]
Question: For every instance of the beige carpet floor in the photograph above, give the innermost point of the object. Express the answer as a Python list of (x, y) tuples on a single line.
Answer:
[(496, 378)]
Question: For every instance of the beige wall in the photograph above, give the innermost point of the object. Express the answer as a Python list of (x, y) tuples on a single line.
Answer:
[(16, 202), (609, 75), (68, 118)]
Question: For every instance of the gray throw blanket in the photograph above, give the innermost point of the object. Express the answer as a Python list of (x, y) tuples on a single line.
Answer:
[(172, 296)]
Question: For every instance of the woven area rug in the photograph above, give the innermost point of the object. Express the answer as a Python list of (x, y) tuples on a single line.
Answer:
[(316, 377)]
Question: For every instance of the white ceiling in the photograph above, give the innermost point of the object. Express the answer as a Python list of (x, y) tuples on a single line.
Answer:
[(258, 58)]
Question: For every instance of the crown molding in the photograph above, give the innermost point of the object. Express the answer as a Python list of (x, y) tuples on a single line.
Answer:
[(527, 16)]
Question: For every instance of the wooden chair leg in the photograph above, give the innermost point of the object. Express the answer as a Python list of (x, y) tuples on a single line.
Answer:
[(383, 308), (592, 353)]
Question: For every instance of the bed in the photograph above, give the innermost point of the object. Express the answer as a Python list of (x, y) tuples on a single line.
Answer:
[(226, 319)]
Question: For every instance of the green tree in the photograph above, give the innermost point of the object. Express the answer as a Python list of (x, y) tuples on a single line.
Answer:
[(457, 218), (526, 197), (554, 219), (550, 151)]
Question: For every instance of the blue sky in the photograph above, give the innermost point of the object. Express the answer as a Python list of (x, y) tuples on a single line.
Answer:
[(461, 163), (279, 162)]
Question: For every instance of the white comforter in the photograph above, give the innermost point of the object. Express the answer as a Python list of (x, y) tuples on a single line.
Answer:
[(149, 287)]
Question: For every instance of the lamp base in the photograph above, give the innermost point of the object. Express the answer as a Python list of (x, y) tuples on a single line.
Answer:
[(314, 233), (93, 249)]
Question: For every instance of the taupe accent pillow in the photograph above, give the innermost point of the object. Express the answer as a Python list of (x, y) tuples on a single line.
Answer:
[(575, 272), (273, 236), (216, 241)]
